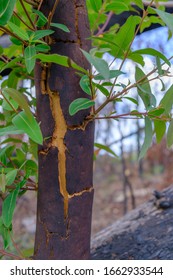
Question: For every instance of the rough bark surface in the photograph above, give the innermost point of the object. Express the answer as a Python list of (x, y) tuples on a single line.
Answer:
[(143, 234), (65, 191)]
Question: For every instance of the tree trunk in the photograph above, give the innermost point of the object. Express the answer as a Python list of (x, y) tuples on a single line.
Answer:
[(65, 188)]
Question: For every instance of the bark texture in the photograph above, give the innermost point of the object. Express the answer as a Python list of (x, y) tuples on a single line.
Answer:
[(143, 234), (65, 191)]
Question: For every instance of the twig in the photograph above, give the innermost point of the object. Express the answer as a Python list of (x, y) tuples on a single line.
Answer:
[(102, 29), (51, 14), (5, 253), (27, 14), (23, 21), (16, 247)]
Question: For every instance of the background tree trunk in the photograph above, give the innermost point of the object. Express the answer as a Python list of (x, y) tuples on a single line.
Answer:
[(65, 191)]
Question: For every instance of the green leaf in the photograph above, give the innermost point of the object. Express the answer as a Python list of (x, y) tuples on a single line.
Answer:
[(117, 7), (18, 31), (8, 207), (112, 74), (29, 55), (167, 100), (31, 167), (29, 126), (132, 100), (148, 137), (20, 99), (42, 20), (105, 148), (159, 66), (2, 182), (139, 3), (60, 26), (153, 52), (80, 104), (160, 128), (96, 5), (10, 130), (61, 60), (42, 48), (85, 84), (166, 17), (99, 63), (102, 89), (6, 10), (169, 136), (8, 103), (6, 234), (41, 34), (156, 112), (144, 89), (10, 177)]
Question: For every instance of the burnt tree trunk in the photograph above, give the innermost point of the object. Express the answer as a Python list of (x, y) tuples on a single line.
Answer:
[(65, 189), (145, 233)]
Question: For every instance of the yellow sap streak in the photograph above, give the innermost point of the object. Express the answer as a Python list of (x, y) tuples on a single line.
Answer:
[(58, 142)]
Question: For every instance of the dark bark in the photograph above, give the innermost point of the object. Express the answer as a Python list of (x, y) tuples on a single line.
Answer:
[(65, 191), (143, 234)]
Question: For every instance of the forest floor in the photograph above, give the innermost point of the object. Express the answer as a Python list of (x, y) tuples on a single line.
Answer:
[(108, 198)]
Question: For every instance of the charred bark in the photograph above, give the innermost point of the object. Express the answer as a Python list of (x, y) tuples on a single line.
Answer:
[(65, 190)]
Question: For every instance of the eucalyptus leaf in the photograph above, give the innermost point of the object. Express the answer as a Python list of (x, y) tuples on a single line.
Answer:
[(160, 129), (148, 137), (10, 177), (29, 126), (29, 56), (2, 182), (153, 52), (61, 60), (105, 148), (144, 89), (99, 63), (18, 31), (6, 10), (8, 207), (85, 84), (10, 130), (60, 26), (20, 99), (80, 104), (166, 17), (167, 100), (41, 34), (169, 136)]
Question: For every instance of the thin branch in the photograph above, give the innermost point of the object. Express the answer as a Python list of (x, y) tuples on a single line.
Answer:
[(102, 29), (23, 21), (30, 2), (8, 102), (40, 4), (5, 253), (167, 4), (145, 13), (27, 14), (125, 90), (7, 31), (51, 14), (16, 247)]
